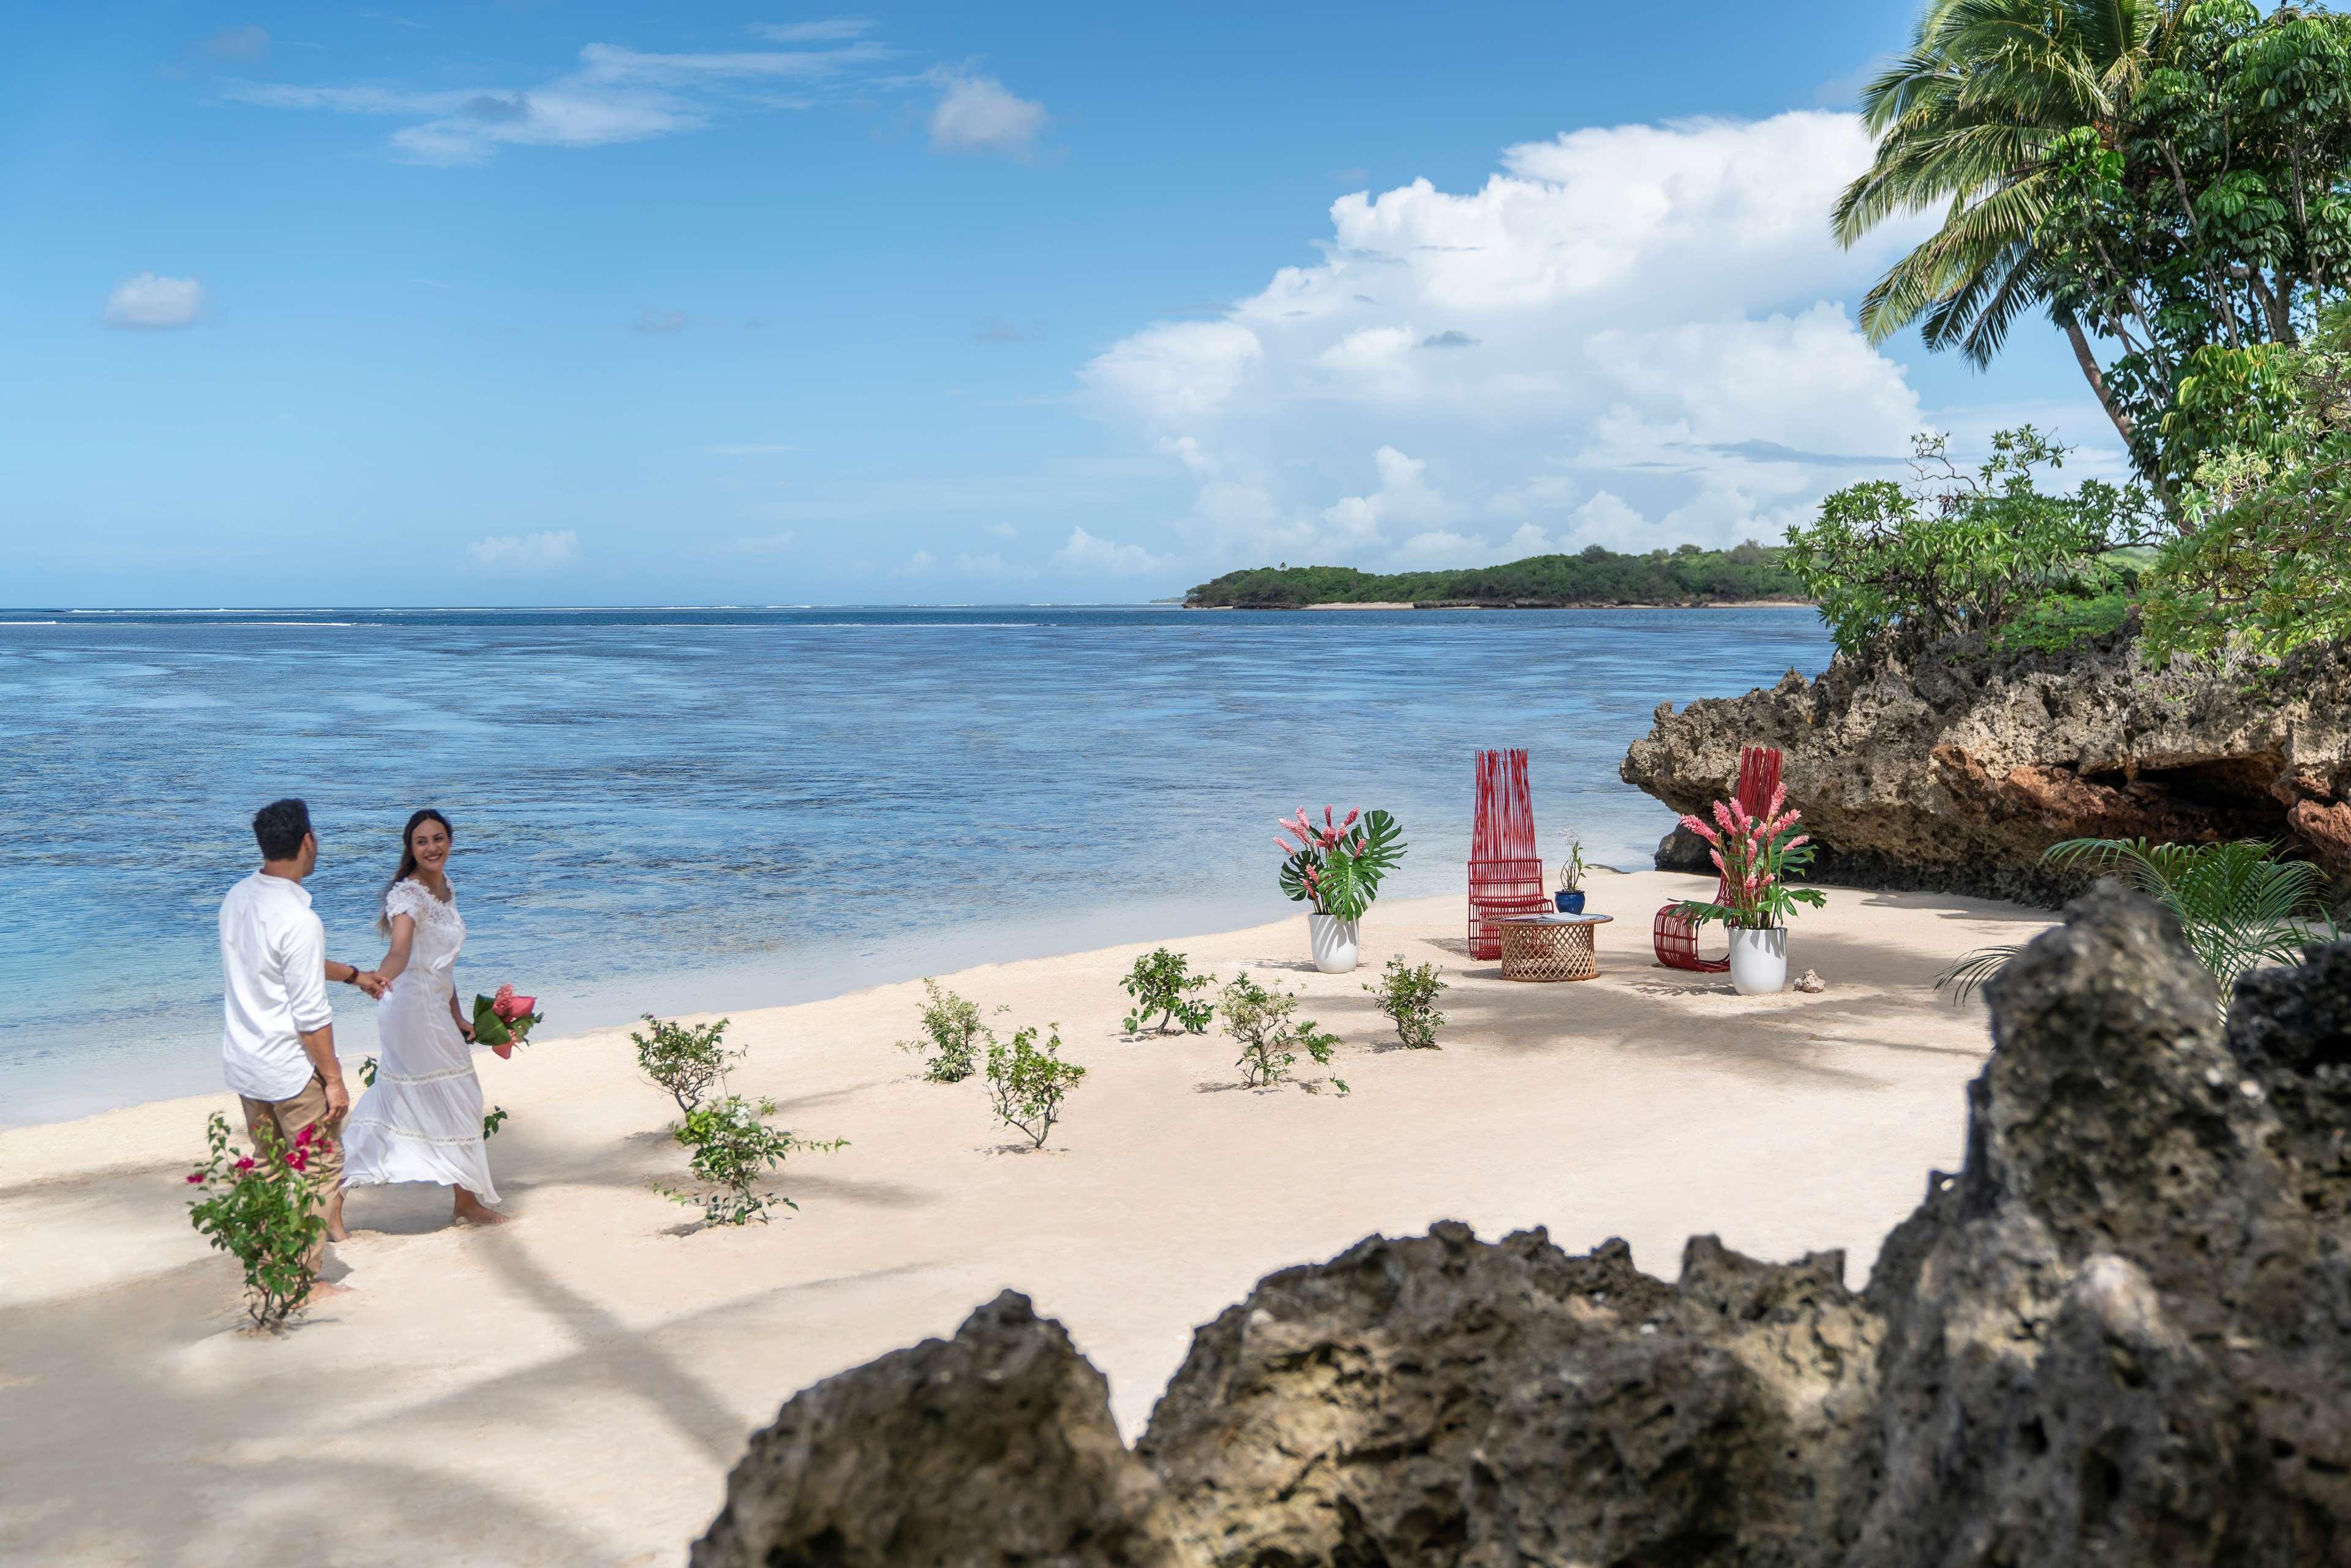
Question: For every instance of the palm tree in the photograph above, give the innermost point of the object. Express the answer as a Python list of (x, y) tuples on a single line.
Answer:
[(2239, 905), (1960, 120)]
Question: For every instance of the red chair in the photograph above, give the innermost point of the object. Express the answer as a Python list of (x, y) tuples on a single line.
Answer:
[(1675, 935), (1506, 875)]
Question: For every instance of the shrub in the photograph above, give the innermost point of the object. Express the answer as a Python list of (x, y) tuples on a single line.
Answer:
[(1270, 1034), (262, 1210), (1896, 567), (952, 1031), (1160, 983), (1029, 1084), (1408, 996), (733, 1149), (686, 1060)]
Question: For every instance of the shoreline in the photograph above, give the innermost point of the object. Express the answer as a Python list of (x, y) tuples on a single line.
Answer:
[(1477, 604), (573, 1387)]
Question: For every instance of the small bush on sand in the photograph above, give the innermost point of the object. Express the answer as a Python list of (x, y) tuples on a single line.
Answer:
[(686, 1060), (1160, 983), (1270, 1034), (262, 1210), (733, 1150), (951, 1035), (1408, 995), (1029, 1083)]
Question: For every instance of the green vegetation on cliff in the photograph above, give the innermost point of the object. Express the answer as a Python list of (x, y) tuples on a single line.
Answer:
[(1597, 576)]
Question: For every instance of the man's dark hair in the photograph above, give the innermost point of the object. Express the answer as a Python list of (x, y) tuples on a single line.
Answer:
[(278, 828)]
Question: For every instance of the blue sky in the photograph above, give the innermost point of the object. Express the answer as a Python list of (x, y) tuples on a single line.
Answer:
[(562, 303)]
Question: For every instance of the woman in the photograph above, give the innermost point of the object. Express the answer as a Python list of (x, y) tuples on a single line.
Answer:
[(422, 1119)]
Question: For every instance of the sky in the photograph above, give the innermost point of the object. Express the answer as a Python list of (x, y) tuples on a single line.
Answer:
[(564, 303)]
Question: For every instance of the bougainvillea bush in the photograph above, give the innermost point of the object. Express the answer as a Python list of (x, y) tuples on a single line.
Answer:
[(262, 1210), (733, 1149)]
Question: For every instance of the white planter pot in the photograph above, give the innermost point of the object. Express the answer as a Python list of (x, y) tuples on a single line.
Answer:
[(1759, 961), (1335, 943)]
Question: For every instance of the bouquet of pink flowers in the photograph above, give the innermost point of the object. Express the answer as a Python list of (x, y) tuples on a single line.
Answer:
[(505, 1021), (1335, 865), (1755, 855)]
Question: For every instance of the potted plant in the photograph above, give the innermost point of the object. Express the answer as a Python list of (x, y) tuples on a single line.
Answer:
[(1755, 855), (1570, 897), (1336, 867)]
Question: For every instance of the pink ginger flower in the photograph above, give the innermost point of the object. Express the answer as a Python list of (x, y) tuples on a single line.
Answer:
[(1329, 814), (1352, 816)]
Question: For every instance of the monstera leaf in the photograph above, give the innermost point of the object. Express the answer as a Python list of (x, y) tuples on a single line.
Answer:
[(1350, 874)]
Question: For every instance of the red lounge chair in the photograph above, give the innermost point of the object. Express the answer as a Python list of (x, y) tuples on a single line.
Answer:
[(1677, 936), (1506, 875)]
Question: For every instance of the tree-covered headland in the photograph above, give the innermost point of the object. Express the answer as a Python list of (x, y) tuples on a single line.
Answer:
[(1686, 575)]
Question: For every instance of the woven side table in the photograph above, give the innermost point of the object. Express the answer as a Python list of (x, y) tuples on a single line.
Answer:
[(1550, 946)]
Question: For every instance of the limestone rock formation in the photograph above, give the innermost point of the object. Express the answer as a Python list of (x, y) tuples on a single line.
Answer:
[(990, 1450), (1958, 772), (2119, 1336)]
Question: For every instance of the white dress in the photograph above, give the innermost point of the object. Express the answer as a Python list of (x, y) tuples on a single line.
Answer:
[(422, 1120)]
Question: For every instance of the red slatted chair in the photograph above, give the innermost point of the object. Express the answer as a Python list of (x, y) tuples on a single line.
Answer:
[(1675, 935), (1506, 875)]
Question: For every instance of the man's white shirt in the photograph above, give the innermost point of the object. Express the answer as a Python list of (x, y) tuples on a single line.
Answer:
[(272, 967)]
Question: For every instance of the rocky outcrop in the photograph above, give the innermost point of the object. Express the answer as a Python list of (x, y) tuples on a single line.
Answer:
[(994, 1448), (2120, 1335), (1958, 771)]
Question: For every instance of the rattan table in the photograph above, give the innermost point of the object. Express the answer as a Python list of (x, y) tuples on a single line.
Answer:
[(1550, 946)]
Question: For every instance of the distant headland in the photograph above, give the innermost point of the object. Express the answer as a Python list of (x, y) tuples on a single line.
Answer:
[(1748, 574)]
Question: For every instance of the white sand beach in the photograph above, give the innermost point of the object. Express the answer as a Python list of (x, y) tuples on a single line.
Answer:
[(573, 1387)]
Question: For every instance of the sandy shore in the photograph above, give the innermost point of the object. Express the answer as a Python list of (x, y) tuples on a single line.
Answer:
[(572, 1389)]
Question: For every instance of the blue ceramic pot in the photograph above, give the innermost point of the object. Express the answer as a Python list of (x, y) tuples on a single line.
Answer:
[(1569, 903)]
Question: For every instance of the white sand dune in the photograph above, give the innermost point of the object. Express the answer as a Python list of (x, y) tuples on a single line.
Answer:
[(572, 1389)]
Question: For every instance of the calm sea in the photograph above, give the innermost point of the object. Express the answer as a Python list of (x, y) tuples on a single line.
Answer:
[(689, 810)]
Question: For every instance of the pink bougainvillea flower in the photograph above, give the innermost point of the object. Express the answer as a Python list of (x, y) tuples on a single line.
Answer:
[(195, 1178), (246, 1163), (302, 1139)]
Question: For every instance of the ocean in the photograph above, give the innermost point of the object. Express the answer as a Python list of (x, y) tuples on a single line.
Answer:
[(695, 809)]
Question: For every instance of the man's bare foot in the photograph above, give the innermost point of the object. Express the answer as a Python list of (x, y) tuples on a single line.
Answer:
[(321, 1290), (335, 1231), (472, 1210)]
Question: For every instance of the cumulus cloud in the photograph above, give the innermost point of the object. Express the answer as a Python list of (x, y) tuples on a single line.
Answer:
[(524, 552), (1086, 553), (151, 303), (612, 94), (1632, 336), (980, 114)]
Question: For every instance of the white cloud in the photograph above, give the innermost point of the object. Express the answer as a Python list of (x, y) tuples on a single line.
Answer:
[(1632, 336), (1004, 530), (613, 95), (980, 114), (832, 29), (917, 564), (1086, 553), (246, 45), (150, 303), (524, 552)]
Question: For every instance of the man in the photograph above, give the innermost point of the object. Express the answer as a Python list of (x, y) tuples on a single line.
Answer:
[(278, 1044)]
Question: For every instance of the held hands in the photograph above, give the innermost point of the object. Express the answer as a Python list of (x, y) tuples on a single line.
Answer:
[(373, 984)]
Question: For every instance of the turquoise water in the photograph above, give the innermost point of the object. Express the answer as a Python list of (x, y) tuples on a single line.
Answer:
[(687, 809)]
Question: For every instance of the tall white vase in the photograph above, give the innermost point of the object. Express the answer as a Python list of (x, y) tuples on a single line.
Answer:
[(1759, 961), (1335, 943)]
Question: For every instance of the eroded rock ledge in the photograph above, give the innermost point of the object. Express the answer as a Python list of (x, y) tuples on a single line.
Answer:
[(2120, 1335), (1957, 772)]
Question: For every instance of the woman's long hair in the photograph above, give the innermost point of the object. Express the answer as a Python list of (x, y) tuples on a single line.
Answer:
[(408, 860)]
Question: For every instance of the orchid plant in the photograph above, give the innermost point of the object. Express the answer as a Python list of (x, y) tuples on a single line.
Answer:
[(1755, 855), (1337, 865)]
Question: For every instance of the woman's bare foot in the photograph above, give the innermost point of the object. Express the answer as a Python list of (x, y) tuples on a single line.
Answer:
[(335, 1231), (472, 1210)]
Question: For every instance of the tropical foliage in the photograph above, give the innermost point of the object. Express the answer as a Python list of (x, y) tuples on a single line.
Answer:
[(1755, 855), (686, 1060), (1338, 865), (1686, 575), (2239, 905), (1027, 1083), (1265, 1024), (1897, 567), (2169, 180), (1408, 994), (952, 1031), (262, 1210), (1572, 868), (732, 1150), (1161, 984)]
